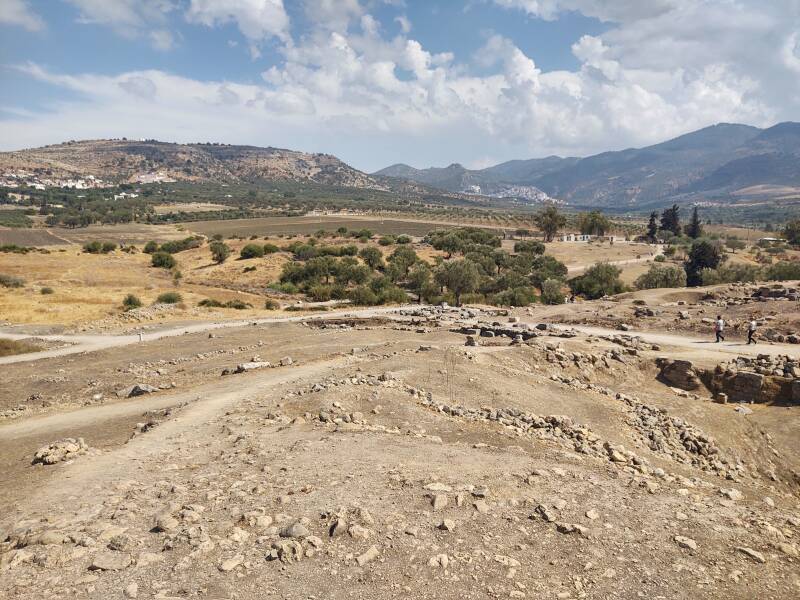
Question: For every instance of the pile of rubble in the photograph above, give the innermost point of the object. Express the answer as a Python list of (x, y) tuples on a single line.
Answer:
[(60, 451), (764, 364), (776, 292)]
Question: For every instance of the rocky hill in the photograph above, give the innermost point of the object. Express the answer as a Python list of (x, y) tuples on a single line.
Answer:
[(714, 163), (128, 160)]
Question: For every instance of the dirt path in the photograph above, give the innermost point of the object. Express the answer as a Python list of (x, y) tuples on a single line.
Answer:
[(703, 346), (92, 343)]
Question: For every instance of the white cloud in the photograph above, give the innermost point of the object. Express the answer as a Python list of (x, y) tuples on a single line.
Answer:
[(130, 18), (19, 13), (405, 24), (346, 86), (258, 20)]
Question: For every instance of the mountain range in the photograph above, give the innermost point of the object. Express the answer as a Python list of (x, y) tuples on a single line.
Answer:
[(722, 163)]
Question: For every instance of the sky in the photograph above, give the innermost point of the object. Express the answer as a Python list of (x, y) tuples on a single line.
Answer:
[(377, 82)]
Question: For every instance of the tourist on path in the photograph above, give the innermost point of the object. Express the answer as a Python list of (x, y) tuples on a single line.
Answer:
[(719, 329), (751, 331)]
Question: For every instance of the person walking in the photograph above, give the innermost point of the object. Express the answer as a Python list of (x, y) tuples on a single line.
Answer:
[(719, 329), (751, 331)]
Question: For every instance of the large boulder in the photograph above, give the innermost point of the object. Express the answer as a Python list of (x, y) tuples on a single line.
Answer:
[(678, 373), (60, 451)]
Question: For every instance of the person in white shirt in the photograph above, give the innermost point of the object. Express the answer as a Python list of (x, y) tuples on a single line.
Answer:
[(751, 331), (719, 328)]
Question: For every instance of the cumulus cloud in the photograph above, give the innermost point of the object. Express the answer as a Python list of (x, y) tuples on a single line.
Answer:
[(257, 20), (19, 13), (347, 86)]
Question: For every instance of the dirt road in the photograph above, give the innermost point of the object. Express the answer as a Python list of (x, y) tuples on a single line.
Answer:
[(92, 343)]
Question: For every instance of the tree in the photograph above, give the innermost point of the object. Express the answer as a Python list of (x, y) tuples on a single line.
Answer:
[(252, 251), (670, 220), (652, 228), (792, 232), (601, 279), (459, 277), (403, 257), (546, 267), (220, 252), (549, 220), (529, 247), (419, 281), (594, 223), (695, 228), (372, 257), (163, 260), (661, 276), (703, 255), (551, 292), (735, 244)]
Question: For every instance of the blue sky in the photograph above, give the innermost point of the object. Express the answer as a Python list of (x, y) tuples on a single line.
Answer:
[(383, 81)]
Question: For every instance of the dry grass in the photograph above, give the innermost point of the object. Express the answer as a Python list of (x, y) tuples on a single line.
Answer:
[(12, 347)]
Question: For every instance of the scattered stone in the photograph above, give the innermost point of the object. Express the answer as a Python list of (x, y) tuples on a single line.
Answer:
[(111, 561), (368, 556), (60, 451), (685, 542), (754, 554)]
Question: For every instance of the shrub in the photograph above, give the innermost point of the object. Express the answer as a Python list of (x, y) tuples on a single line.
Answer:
[(94, 247), (403, 239), (210, 303), (285, 287), (130, 302), (386, 240), (176, 246), (108, 247), (661, 276), (238, 304), (320, 293), (169, 298), (271, 304), (392, 295), (518, 296), (271, 249), (150, 247), (551, 292), (163, 260), (252, 251), (783, 271), (362, 295), (10, 281), (46, 291), (249, 269), (220, 251), (730, 274), (600, 280), (660, 258), (529, 247)]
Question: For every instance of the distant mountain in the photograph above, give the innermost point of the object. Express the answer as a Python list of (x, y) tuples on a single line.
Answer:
[(129, 160), (715, 163)]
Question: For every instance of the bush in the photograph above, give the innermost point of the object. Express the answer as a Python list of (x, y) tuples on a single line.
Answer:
[(249, 269), (9, 281), (392, 295), (220, 251), (108, 247), (130, 301), (46, 291), (660, 258), (518, 296), (730, 274), (661, 276), (386, 240), (176, 246), (285, 287), (94, 247), (403, 239), (529, 247), (271, 249), (272, 304), (551, 292), (163, 260), (600, 280), (169, 298), (363, 296), (251, 251), (150, 247), (783, 271), (211, 303), (320, 293)]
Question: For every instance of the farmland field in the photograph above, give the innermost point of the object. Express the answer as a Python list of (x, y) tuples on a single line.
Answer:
[(295, 225), (29, 237)]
